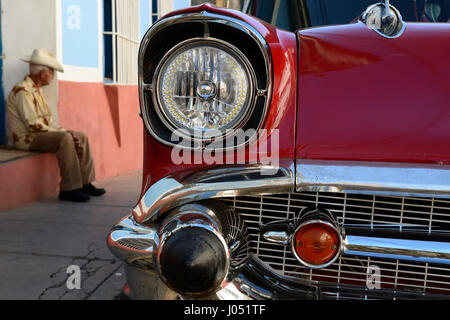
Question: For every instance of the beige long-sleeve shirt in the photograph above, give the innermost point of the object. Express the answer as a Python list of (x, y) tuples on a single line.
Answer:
[(28, 114)]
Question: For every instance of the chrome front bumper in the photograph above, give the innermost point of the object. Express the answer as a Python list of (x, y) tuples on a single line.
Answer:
[(135, 239), (138, 245)]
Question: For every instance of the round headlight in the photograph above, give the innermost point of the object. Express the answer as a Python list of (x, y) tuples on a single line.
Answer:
[(204, 87)]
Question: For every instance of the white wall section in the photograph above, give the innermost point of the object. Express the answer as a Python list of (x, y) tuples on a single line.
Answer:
[(79, 73), (27, 25)]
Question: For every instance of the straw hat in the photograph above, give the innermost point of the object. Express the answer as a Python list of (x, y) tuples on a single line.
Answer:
[(44, 58)]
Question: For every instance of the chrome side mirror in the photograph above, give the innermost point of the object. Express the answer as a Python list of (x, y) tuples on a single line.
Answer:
[(388, 17), (384, 19)]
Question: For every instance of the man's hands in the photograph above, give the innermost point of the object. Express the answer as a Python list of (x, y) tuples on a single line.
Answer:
[(76, 141)]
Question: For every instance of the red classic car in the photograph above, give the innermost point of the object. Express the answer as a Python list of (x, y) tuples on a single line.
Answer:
[(280, 164)]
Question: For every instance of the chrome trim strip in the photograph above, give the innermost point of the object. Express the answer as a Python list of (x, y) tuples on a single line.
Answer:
[(385, 248), (378, 178), (172, 191), (399, 249), (280, 237)]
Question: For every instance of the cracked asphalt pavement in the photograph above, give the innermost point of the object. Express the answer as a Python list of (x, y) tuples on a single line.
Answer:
[(41, 240)]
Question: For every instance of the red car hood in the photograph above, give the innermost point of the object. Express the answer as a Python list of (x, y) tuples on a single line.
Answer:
[(365, 97)]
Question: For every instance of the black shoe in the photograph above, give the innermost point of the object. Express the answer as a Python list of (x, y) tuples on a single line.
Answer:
[(92, 191), (73, 195)]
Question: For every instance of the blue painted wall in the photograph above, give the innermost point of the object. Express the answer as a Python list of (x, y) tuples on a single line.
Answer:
[(181, 4), (144, 17), (80, 33)]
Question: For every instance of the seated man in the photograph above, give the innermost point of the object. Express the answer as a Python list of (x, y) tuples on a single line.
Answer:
[(31, 128)]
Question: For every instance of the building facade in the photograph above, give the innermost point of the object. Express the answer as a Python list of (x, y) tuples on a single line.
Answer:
[(97, 42)]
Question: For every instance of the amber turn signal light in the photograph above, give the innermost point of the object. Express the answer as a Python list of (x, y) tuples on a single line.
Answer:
[(316, 244)]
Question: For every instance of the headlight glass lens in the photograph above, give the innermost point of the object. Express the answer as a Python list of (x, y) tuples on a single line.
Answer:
[(204, 88)]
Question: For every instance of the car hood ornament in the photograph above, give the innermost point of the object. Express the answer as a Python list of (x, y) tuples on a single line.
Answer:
[(384, 19)]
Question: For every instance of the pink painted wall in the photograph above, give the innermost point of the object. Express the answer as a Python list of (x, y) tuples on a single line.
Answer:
[(109, 115), (28, 179)]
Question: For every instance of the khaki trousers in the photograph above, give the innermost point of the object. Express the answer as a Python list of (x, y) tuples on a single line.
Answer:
[(75, 164)]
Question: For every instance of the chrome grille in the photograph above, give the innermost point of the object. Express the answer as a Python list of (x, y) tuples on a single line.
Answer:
[(373, 211)]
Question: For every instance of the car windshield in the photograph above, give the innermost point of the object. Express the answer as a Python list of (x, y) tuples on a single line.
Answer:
[(298, 14)]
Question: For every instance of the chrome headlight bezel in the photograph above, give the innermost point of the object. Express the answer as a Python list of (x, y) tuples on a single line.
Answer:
[(199, 134), (168, 33)]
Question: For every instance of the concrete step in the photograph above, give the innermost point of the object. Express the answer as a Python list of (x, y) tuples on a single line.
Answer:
[(26, 177)]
